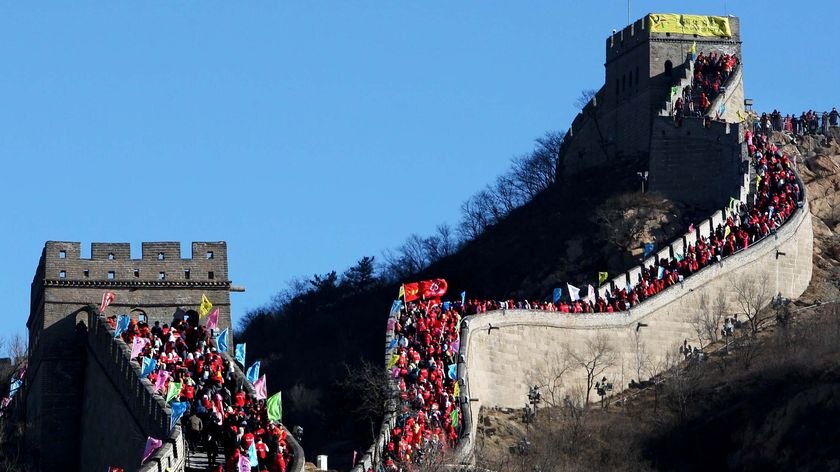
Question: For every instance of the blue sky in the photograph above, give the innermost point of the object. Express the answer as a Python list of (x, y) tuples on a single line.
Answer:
[(309, 134)]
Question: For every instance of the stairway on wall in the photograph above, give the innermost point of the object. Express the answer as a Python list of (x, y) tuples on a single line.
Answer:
[(199, 461)]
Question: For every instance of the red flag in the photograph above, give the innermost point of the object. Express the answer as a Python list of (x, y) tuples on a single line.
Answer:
[(433, 288), (412, 291), (107, 298)]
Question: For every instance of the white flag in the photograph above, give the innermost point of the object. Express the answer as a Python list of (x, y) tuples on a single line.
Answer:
[(590, 296), (574, 292)]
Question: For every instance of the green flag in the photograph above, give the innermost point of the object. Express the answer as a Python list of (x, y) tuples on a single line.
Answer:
[(454, 417), (174, 390), (274, 407)]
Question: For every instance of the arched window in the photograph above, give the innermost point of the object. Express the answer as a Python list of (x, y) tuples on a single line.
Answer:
[(668, 68)]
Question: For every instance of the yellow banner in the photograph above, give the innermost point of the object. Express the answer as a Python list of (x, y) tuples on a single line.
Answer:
[(689, 24)]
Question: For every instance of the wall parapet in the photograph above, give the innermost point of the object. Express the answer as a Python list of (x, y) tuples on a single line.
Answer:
[(149, 410)]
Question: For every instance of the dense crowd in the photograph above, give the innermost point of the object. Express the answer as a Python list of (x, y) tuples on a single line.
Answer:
[(220, 412), (810, 122), (425, 352), (711, 71)]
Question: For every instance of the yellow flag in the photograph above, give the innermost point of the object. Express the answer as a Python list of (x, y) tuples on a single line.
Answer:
[(393, 361), (401, 294), (726, 232), (602, 277), (205, 307), (457, 389), (757, 182)]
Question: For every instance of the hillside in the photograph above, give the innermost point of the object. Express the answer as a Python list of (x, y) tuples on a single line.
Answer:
[(312, 341), (767, 406)]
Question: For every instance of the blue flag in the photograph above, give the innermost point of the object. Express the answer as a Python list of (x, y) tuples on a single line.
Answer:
[(463, 298), (453, 371), (648, 249), (252, 454), (661, 273), (239, 353), (446, 306), (14, 387), (395, 308), (392, 345), (253, 373), (122, 325), (149, 365), (178, 410), (557, 295), (221, 341)]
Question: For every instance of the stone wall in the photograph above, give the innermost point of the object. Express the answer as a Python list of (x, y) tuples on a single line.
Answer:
[(499, 365)]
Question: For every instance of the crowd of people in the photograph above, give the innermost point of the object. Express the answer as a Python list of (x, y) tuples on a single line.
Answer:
[(807, 123), (220, 413), (711, 71), (424, 355)]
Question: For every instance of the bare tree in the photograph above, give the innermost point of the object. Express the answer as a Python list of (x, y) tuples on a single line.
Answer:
[(372, 385), (641, 358), (752, 293), (549, 377), (586, 95), (708, 319), (595, 358)]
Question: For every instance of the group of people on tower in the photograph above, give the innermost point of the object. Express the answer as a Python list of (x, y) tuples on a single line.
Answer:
[(711, 71), (810, 122), (220, 412)]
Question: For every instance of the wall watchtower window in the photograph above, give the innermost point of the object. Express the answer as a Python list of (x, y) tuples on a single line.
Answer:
[(110, 256), (187, 274), (86, 273), (669, 67), (161, 256), (62, 254), (111, 275), (209, 255), (211, 275), (62, 274), (137, 272), (162, 276)]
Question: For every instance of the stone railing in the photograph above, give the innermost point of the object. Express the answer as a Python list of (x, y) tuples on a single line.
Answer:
[(794, 236), (148, 409), (371, 458)]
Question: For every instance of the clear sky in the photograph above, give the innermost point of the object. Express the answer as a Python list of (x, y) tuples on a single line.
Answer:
[(309, 134)]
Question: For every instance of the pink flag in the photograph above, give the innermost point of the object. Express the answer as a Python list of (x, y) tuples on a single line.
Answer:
[(137, 346), (107, 298), (244, 463), (152, 445), (163, 376), (261, 388), (213, 319)]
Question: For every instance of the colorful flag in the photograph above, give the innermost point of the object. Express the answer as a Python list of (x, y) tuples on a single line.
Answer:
[(394, 359), (137, 346), (454, 417), (213, 319), (261, 388), (107, 298), (453, 371), (391, 345), (152, 445), (435, 288), (691, 228), (122, 324), (221, 341), (205, 307), (174, 391), (661, 273), (244, 464), (395, 308), (679, 256), (411, 292), (590, 294), (455, 345), (162, 377), (463, 298), (726, 231), (14, 386), (239, 353), (734, 204), (401, 293), (557, 295), (648, 249), (574, 292), (253, 372), (446, 306), (602, 277), (178, 410), (457, 390), (274, 407), (149, 365)]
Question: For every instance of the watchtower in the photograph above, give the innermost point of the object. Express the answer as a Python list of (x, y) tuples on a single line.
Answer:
[(644, 63), (152, 288)]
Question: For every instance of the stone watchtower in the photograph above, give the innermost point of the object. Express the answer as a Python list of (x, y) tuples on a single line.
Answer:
[(152, 288), (644, 63)]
